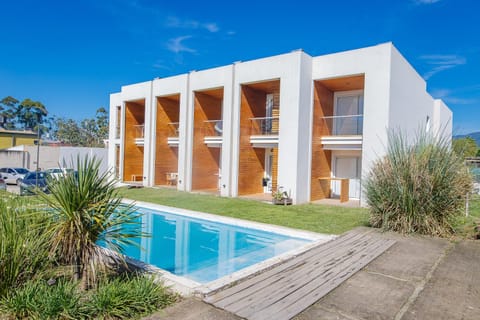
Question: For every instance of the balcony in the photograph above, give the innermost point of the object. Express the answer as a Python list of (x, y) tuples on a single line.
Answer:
[(342, 132), (264, 131), (173, 133), (212, 132), (139, 134)]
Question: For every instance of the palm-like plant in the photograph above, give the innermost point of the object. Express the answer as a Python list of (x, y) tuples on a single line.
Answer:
[(86, 210)]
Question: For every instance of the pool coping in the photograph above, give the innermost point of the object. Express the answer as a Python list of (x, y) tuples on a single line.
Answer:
[(187, 287)]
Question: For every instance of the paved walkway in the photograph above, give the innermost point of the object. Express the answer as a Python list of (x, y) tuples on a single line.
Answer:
[(417, 278)]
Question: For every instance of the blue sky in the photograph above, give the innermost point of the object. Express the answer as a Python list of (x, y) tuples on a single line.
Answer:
[(71, 55)]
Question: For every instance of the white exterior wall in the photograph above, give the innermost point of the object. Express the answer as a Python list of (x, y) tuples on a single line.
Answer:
[(115, 101), (442, 123), (374, 63), (394, 97), (410, 104), (165, 87)]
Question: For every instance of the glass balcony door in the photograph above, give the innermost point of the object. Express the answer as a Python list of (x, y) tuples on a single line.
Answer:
[(348, 113)]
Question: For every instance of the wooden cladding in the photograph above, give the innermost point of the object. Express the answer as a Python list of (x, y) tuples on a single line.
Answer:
[(166, 157), (323, 106), (275, 169), (252, 160), (133, 154), (206, 160), (321, 159)]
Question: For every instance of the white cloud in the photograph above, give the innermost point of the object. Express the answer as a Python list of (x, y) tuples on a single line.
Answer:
[(463, 101), (176, 45), (440, 63), (212, 27), (176, 22), (420, 2)]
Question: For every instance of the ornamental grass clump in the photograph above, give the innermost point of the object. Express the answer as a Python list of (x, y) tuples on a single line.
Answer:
[(24, 241), (418, 187)]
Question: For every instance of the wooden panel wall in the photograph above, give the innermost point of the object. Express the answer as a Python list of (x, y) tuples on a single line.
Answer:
[(275, 169), (133, 154), (117, 161), (206, 160), (251, 160), (321, 159), (166, 157)]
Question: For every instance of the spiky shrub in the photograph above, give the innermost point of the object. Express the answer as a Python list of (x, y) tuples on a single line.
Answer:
[(86, 209), (417, 187), (24, 242)]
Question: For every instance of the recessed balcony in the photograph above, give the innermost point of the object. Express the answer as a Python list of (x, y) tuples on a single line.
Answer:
[(213, 133), (139, 134), (264, 131), (342, 132), (173, 133)]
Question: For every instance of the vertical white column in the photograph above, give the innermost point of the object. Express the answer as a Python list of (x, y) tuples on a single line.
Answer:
[(228, 125), (148, 139)]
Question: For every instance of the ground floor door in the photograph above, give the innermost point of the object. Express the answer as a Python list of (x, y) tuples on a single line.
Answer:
[(347, 167), (267, 178)]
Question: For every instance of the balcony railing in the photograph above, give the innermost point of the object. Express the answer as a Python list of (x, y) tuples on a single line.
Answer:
[(173, 129), (213, 128), (139, 131), (350, 125), (264, 126)]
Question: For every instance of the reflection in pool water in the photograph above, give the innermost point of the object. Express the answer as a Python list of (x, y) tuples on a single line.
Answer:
[(203, 250)]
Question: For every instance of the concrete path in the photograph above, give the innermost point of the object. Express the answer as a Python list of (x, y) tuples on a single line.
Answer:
[(417, 278)]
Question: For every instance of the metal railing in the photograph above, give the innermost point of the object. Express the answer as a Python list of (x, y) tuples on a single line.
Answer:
[(264, 126), (173, 129), (212, 128), (342, 125), (139, 131)]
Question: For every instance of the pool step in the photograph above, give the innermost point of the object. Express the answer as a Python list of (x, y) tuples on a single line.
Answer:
[(287, 289)]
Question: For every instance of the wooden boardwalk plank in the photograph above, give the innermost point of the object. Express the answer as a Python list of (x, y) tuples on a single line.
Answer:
[(283, 292), (301, 299), (287, 289), (269, 276), (287, 282)]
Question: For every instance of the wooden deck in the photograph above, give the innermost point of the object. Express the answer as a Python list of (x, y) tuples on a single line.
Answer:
[(287, 289)]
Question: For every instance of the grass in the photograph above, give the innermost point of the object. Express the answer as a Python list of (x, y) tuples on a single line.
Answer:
[(466, 226), (311, 217)]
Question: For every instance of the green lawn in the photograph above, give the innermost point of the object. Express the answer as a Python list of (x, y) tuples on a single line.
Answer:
[(316, 218), (466, 226)]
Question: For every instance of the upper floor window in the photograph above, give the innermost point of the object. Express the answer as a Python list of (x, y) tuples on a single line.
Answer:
[(348, 113)]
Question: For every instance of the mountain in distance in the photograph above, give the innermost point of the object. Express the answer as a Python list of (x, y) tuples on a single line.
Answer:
[(474, 135)]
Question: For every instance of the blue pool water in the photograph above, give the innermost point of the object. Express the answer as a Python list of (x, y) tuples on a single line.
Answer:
[(203, 250)]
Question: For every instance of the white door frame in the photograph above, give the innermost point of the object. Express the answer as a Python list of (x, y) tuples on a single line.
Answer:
[(358, 169)]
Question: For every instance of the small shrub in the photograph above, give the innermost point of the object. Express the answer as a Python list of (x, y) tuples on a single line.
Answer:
[(118, 298), (38, 300), (417, 187), (128, 297)]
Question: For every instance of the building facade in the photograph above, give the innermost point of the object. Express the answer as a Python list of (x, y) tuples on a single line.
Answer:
[(312, 126), (12, 138)]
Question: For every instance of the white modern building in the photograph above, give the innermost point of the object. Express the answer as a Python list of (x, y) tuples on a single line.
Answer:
[(310, 125)]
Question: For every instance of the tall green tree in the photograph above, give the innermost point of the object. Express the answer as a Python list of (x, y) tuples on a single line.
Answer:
[(8, 110), (465, 147), (31, 114), (89, 132)]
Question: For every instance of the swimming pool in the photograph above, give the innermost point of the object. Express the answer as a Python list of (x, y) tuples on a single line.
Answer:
[(205, 248)]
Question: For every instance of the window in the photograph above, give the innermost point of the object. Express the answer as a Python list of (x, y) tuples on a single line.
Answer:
[(348, 113)]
